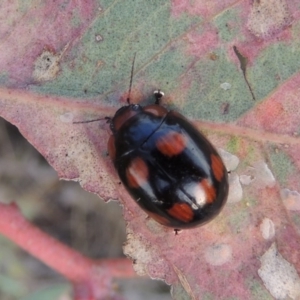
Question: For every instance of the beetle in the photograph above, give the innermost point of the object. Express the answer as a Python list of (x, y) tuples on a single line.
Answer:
[(168, 167)]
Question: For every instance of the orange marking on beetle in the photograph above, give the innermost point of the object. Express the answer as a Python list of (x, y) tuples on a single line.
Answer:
[(111, 147), (171, 144), (209, 190), (120, 119), (137, 173), (217, 167), (158, 218), (182, 212), (156, 110)]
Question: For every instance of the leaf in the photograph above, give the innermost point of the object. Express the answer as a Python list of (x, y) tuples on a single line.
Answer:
[(231, 66)]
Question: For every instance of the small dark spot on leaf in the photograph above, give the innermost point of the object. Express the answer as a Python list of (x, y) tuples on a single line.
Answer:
[(225, 108), (213, 56)]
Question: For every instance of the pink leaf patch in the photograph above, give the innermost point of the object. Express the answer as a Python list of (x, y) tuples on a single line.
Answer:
[(237, 80)]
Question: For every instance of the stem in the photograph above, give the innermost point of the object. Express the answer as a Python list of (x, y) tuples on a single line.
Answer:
[(95, 275)]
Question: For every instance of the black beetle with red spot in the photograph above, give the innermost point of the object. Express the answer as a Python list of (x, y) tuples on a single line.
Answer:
[(169, 168)]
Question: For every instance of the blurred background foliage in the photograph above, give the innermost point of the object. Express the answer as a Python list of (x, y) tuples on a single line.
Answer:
[(65, 211)]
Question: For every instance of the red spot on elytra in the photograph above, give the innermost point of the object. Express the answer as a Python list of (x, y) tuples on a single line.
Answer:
[(137, 173), (210, 191), (182, 212), (111, 147), (217, 167), (171, 144), (158, 218)]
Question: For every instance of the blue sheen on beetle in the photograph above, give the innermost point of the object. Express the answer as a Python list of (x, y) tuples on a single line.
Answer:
[(168, 167)]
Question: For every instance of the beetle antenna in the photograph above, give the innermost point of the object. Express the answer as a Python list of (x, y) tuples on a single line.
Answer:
[(131, 76), (94, 120)]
